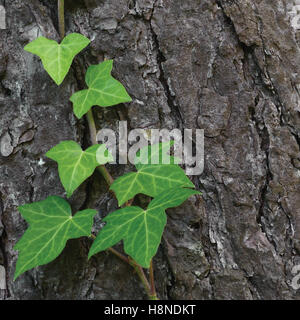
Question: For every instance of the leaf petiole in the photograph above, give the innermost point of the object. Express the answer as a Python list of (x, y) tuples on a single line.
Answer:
[(61, 18)]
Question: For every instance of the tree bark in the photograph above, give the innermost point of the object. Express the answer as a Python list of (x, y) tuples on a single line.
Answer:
[(230, 67)]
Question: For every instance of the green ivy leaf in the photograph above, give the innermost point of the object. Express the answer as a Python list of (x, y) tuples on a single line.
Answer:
[(104, 90), (151, 180), (140, 229), (75, 165), (51, 224), (57, 58), (153, 154)]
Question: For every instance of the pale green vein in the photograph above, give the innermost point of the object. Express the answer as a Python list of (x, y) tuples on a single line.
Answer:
[(109, 91), (57, 58), (44, 240), (74, 164), (150, 180), (141, 230)]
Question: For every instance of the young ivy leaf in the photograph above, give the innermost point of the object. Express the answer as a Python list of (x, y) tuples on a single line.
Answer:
[(140, 229), (103, 91), (51, 224), (57, 58), (151, 180), (75, 165)]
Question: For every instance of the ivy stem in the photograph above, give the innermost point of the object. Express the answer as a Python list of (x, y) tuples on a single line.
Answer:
[(61, 18), (92, 126), (107, 176), (93, 134), (109, 179), (115, 252), (153, 295), (119, 255), (141, 274)]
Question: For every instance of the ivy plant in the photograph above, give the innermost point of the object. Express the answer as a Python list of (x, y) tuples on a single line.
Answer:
[(51, 222), (75, 165), (141, 230), (57, 58), (150, 180), (103, 91)]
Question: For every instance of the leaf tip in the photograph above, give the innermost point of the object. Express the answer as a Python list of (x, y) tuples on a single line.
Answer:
[(69, 193), (58, 82), (48, 154), (90, 254), (20, 208), (120, 201), (78, 115), (17, 273)]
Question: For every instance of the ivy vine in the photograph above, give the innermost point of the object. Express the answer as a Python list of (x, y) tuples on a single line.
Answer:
[(51, 222)]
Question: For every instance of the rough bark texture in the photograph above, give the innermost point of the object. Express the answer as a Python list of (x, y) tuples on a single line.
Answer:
[(230, 67)]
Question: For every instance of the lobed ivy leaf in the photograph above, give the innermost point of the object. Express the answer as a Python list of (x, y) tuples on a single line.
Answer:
[(51, 224), (141, 230), (103, 91), (57, 58), (151, 180), (75, 165)]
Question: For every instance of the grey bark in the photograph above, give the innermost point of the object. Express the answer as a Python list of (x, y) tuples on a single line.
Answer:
[(228, 67)]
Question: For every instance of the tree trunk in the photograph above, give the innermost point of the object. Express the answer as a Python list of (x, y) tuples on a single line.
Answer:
[(230, 67)]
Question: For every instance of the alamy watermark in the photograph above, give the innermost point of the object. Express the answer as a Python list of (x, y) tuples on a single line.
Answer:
[(188, 146)]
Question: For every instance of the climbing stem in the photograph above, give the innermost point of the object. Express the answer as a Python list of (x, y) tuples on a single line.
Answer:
[(92, 126), (108, 178), (119, 255), (115, 252), (93, 134), (153, 295), (61, 18), (106, 175), (141, 274), (150, 289)]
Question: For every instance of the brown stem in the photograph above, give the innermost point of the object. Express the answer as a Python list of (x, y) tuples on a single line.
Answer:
[(93, 133), (115, 252), (109, 179), (91, 122), (106, 175), (140, 272), (92, 126), (119, 255), (102, 169), (153, 295), (61, 18), (144, 280)]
